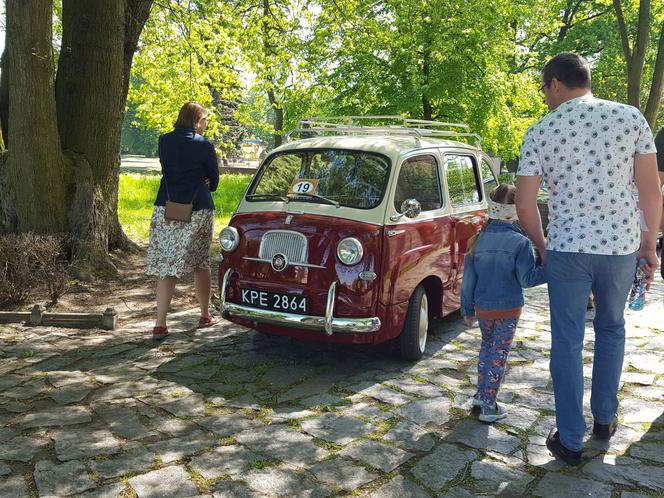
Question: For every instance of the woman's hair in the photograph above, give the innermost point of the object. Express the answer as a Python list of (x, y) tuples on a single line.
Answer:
[(190, 114), (503, 194)]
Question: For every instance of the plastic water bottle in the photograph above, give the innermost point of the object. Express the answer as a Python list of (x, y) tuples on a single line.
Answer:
[(637, 295)]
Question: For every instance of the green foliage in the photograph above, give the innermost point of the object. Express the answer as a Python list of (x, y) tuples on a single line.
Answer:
[(136, 138), (476, 62), (188, 51), (138, 192)]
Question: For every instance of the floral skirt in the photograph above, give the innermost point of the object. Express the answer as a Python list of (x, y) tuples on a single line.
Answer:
[(175, 248)]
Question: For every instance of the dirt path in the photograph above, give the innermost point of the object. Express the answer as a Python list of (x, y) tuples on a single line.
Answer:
[(131, 293)]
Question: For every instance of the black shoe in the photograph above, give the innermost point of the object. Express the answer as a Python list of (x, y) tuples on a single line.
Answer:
[(559, 451), (605, 431)]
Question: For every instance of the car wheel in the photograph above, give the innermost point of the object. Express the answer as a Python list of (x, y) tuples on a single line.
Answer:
[(413, 339)]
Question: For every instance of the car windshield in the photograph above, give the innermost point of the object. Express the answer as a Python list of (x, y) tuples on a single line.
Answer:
[(349, 178)]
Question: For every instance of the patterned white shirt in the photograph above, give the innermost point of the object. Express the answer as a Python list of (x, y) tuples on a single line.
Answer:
[(584, 150)]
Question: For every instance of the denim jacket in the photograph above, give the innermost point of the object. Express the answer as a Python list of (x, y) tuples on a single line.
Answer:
[(500, 266)]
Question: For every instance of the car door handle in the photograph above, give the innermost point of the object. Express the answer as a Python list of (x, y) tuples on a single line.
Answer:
[(392, 233)]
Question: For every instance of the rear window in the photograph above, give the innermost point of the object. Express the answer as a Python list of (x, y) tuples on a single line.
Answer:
[(351, 178)]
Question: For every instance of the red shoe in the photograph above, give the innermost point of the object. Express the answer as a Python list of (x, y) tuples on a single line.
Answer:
[(159, 333), (207, 321)]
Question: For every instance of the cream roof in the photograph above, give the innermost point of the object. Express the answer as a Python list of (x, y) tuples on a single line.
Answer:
[(389, 145)]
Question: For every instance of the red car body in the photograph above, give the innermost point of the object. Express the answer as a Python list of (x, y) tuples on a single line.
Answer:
[(366, 302)]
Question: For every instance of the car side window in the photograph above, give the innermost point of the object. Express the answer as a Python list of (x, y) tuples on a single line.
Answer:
[(462, 180), (488, 178), (418, 179)]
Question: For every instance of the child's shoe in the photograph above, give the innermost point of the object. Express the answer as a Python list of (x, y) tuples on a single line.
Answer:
[(493, 413), (477, 402)]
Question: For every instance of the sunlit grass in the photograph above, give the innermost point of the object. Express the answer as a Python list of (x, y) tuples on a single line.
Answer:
[(138, 192)]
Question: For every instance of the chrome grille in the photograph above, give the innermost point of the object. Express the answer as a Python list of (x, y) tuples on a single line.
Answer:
[(291, 244)]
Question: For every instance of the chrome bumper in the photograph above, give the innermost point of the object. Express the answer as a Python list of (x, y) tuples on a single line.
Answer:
[(327, 323)]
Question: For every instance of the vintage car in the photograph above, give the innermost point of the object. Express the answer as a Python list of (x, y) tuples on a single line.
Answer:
[(356, 235)]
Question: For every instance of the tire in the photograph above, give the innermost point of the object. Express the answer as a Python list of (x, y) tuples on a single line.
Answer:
[(413, 338)]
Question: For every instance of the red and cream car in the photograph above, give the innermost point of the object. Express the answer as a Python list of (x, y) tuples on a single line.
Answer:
[(355, 238)]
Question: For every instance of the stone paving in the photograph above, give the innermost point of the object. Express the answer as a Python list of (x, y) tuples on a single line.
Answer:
[(227, 412)]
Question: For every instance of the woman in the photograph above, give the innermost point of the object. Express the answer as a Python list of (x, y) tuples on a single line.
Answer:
[(175, 248)]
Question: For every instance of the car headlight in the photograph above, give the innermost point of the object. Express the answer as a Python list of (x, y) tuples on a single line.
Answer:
[(229, 239), (350, 251)]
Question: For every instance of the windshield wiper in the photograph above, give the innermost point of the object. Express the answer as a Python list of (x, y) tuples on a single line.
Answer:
[(268, 197), (315, 196)]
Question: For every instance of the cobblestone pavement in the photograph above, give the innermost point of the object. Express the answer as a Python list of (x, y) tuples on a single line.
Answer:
[(227, 412)]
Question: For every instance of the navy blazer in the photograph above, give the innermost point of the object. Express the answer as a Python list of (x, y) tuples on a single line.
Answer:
[(187, 159)]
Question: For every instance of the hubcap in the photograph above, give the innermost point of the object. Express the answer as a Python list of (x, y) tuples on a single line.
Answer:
[(424, 322)]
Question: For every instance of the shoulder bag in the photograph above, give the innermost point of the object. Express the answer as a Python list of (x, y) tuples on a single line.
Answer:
[(178, 211)]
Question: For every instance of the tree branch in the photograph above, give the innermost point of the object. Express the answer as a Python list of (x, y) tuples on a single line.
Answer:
[(657, 84), (624, 37)]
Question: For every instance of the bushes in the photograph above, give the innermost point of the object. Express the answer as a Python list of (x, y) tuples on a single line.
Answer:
[(28, 261)]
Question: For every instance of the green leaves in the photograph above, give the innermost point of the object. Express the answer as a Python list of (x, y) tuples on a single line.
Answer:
[(265, 64)]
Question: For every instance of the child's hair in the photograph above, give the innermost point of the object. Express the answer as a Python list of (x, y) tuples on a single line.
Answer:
[(505, 193)]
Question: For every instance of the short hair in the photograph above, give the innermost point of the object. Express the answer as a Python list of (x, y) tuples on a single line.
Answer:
[(569, 68), (190, 114)]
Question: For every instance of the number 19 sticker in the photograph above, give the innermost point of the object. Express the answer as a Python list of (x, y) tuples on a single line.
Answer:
[(303, 186)]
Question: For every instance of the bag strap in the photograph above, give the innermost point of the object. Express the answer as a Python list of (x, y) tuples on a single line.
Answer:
[(168, 194)]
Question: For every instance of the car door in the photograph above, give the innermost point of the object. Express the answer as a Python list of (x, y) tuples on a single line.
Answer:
[(468, 205), (414, 248)]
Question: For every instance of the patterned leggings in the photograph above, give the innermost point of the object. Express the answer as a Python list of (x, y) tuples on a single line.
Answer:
[(497, 335)]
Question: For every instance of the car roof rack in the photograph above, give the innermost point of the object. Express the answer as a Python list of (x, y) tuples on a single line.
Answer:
[(380, 125)]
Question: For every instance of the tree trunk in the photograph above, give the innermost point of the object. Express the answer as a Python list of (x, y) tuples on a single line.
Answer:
[(634, 56), (427, 111), (91, 91), (136, 15), (657, 84), (4, 94), (36, 165), (278, 118)]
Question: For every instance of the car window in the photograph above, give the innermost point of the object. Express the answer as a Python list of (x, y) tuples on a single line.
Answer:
[(276, 178), (462, 180), (418, 179), (351, 178), (488, 178)]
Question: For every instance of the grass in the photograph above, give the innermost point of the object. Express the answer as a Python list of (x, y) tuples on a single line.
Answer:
[(138, 192)]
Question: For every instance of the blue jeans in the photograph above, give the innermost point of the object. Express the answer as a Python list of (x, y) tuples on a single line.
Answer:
[(571, 277)]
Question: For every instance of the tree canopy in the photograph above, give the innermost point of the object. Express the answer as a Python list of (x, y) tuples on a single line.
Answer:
[(476, 62)]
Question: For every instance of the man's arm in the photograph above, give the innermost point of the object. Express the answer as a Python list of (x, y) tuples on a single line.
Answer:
[(650, 203), (529, 216)]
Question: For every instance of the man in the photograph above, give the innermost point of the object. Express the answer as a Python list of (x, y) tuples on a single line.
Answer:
[(590, 153)]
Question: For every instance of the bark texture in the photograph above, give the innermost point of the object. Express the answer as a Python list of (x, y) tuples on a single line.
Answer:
[(66, 136), (35, 168), (657, 85)]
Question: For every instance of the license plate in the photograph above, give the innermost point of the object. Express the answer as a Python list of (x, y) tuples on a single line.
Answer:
[(274, 301)]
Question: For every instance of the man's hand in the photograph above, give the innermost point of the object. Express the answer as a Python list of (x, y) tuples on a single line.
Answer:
[(469, 320), (651, 266)]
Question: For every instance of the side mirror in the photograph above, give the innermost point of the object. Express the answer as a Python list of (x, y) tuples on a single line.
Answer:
[(410, 208)]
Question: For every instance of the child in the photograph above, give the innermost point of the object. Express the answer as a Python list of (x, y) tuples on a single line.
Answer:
[(499, 263)]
